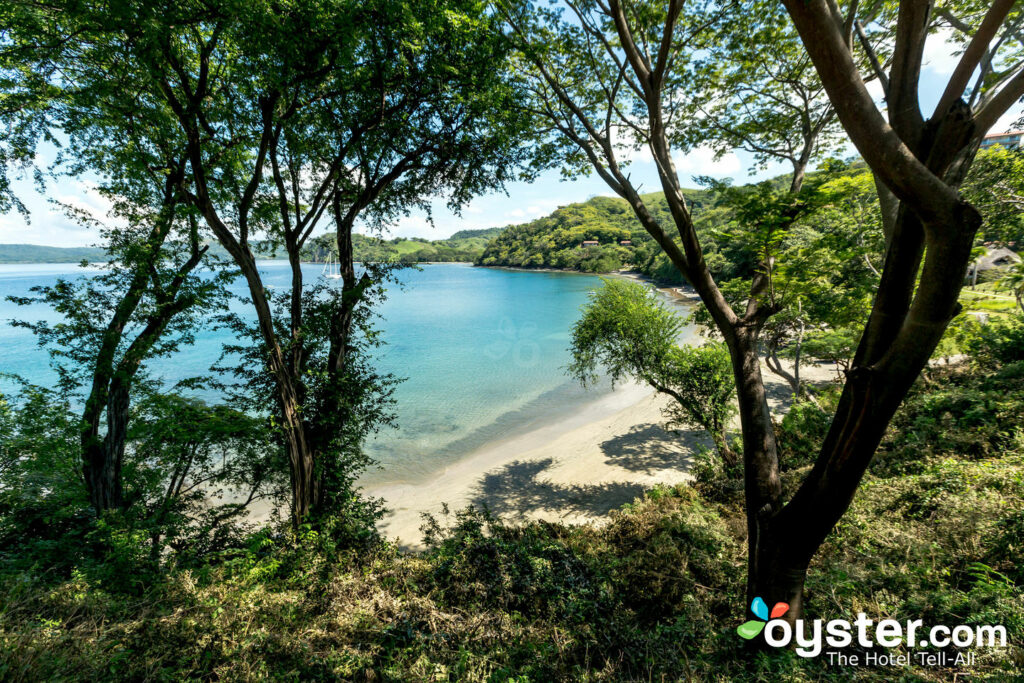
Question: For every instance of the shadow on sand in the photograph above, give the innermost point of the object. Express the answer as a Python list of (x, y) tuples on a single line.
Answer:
[(516, 490), (650, 448)]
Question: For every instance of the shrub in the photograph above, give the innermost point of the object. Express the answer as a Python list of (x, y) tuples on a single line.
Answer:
[(997, 342)]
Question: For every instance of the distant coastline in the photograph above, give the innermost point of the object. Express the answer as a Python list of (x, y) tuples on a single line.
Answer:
[(29, 254), (684, 292)]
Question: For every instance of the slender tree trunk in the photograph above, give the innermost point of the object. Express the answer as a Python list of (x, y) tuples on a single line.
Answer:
[(101, 455), (762, 487), (730, 457)]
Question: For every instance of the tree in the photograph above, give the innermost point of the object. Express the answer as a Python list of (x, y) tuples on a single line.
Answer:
[(300, 114), (619, 67), (196, 471), (928, 245), (825, 273), (70, 81), (146, 303), (626, 330), (772, 105), (1014, 281)]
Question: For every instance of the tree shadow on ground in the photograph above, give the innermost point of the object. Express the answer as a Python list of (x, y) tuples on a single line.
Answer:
[(515, 490), (650, 448)]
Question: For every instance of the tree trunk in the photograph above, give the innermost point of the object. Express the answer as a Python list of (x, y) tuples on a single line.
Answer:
[(762, 487), (102, 478), (730, 457), (302, 463), (890, 357), (778, 578)]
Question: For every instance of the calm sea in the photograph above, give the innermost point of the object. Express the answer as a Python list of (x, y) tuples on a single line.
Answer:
[(483, 352)]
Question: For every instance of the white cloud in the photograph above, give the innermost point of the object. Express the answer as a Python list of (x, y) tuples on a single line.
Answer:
[(48, 224), (701, 161)]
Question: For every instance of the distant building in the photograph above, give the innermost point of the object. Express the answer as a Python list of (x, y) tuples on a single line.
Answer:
[(590, 243), (994, 258), (1009, 140), (626, 243)]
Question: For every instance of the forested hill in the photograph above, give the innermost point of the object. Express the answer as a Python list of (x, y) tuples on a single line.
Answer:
[(35, 253), (565, 238), (465, 245)]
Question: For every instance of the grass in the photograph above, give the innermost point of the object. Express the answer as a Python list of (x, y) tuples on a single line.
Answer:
[(988, 300), (935, 533)]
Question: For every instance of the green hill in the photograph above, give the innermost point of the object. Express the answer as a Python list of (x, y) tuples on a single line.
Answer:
[(34, 253), (565, 239), (486, 233), (465, 245)]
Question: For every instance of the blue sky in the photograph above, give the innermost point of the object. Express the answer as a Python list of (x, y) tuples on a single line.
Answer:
[(524, 201)]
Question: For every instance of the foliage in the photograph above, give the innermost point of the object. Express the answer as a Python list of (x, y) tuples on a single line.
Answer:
[(360, 399), (995, 185), (627, 332), (191, 472), (368, 249), (654, 593), (556, 240), (998, 341), (1014, 281)]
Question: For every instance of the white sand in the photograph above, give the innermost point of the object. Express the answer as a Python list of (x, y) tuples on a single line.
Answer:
[(574, 472)]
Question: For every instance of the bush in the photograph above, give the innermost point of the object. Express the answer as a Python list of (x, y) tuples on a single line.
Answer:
[(802, 429), (998, 342), (656, 593)]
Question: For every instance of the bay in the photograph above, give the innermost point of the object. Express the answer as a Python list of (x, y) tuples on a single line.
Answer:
[(483, 353)]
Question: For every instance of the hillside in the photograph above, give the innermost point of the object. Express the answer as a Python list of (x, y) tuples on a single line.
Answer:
[(465, 245), (564, 239), (34, 253)]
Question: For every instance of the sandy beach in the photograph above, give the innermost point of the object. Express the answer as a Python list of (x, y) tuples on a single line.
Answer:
[(574, 471)]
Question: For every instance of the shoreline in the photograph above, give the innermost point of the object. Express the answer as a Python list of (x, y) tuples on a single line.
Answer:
[(574, 471), (596, 458)]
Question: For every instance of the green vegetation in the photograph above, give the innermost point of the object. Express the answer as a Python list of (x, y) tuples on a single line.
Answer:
[(599, 85), (557, 240), (627, 332), (464, 246), (934, 535), (128, 544), (33, 253)]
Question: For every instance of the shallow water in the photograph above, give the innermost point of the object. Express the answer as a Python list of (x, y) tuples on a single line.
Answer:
[(483, 352)]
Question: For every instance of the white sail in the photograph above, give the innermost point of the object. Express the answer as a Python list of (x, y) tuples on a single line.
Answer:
[(332, 269)]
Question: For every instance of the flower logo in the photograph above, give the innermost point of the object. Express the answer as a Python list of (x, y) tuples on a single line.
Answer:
[(750, 629)]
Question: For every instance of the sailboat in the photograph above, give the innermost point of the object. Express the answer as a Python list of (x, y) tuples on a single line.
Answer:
[(332, 269)]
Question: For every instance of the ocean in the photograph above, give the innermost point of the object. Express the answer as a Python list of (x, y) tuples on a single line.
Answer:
[(482, 351)]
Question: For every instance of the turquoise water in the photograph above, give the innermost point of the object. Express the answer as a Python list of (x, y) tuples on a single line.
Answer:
[(483, 351)]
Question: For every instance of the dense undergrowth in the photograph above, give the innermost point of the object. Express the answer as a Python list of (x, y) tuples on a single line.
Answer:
[(935, 533)]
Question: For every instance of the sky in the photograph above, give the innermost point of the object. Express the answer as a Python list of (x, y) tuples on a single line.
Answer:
[(48, 224)]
